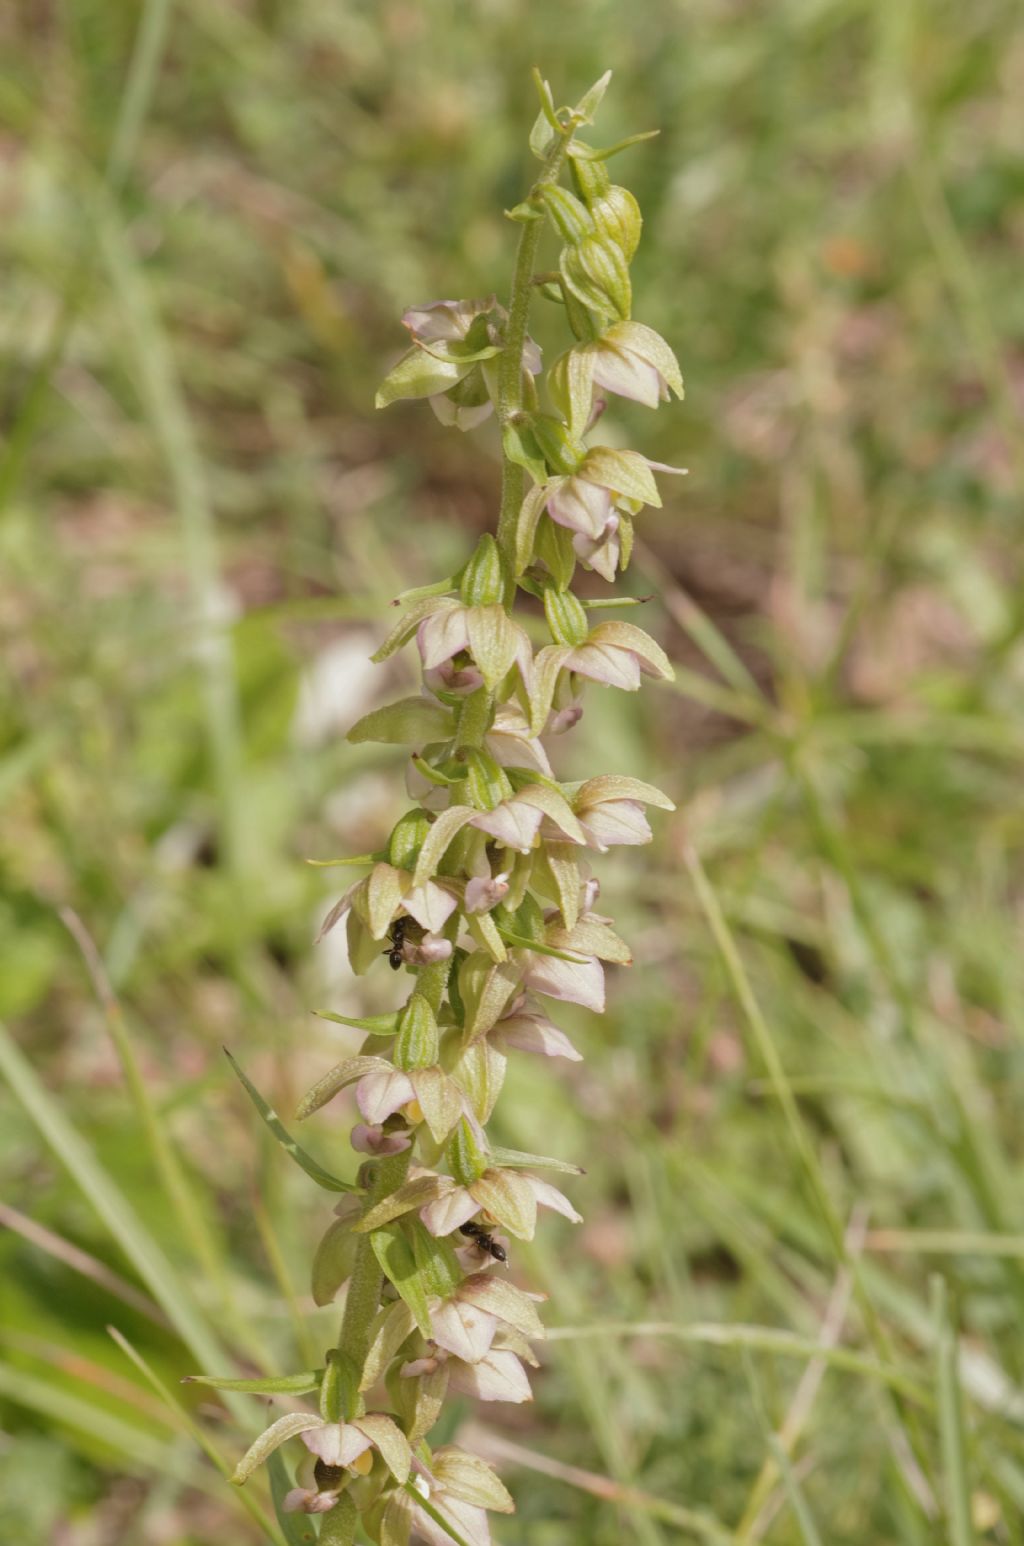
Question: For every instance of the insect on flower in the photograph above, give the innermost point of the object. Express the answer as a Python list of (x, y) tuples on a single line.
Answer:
[(485, 1240), (396, 944)]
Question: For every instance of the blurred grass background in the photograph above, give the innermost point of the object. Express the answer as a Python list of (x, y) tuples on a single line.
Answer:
[(212, 218)]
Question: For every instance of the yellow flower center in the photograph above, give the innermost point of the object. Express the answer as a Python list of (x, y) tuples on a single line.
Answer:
[(413, 1112), (363, 1464)]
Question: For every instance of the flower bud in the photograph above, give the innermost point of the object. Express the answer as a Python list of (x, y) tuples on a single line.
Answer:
[(590, 178), (570, 218), (416, 1045), (566, 617), (406, 839), (617, 215), (596, 271), (483, 579), (465, 1157)]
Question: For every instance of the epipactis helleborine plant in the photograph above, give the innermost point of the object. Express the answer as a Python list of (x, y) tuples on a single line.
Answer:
[(483, 895)]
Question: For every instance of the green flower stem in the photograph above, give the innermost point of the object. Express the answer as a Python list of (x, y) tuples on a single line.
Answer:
[(367, 1279), (510, 368)]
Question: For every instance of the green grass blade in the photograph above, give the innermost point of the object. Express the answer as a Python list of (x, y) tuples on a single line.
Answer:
[(146, 1256), (951, 1421)]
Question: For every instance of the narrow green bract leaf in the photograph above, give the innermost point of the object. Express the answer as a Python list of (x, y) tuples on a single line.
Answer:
[(398, 1264), (409, 722), (305, 1161)]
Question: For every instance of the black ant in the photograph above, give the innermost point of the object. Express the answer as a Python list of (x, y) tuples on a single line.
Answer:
[(396, 945), (484, 1239)]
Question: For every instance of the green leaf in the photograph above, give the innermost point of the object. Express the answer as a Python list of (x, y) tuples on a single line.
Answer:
[(374, 1025), (520, 942), (305, 1161), (409, 722), (398, 1264), (517, 1159), (271, 1385)]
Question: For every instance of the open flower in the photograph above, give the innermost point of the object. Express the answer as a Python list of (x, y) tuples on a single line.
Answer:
[(460, 1488), (451, 363), (530, 1030), (485, 634), (613, 654), (466, 1324), (611, 810), (508, 1196), (388, 893), (342, 1444), (577, 974), (633, 361), (604, 481)]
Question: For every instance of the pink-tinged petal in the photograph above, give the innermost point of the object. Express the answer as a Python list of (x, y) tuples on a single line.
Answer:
[(336, 1443), (463, 1329), (612, 822), (430, 949), (517, 751), (512, 823), (374, 1140), (464, 416), (589, 893), (564, 719), (449, 1212), (607, 663), (379, 1096), (442, 635), (531, 357), (483, 893), (417, 1366), (306, 1500), (431, 905), (600, 554), (580, 505), (535, 1033), (550, 1197), (497, 1377), (468, 1521), (627, 375), (574, 982), (461, 680), (444, 321)]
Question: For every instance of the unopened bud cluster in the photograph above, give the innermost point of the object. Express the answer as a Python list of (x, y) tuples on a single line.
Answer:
[(483, 897)]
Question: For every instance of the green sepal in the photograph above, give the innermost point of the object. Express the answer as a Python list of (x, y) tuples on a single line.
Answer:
[(466, 1160), (417, 1044), (419, 373), (398, 1264), (435, 1258)]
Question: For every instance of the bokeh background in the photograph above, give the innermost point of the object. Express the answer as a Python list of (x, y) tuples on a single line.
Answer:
[(212, 217)]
